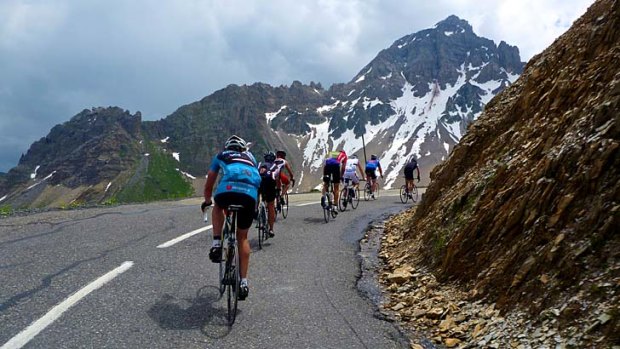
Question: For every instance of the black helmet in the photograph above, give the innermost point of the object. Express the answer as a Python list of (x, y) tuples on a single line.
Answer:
[(373, 157), (281, 153), (269, 157), (235, 142)]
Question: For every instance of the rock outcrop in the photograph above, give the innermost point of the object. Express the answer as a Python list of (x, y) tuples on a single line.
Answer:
[(524, 214)]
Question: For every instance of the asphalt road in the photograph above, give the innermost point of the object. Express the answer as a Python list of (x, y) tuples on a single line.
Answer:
[(96, 278)]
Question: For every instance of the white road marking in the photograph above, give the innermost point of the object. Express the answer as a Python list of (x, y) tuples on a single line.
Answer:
[(36, 327), (184, 236), (307, 203)]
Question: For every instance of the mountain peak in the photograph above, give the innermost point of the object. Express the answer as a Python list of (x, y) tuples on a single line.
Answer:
[(454, 24)]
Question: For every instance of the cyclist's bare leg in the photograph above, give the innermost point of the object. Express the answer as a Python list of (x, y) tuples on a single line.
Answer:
[(244, 252), (336, 191), (217, 217), (271, 213), (409, 185)]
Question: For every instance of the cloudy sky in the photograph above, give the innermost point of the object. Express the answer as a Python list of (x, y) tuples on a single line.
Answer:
[(58, 57)]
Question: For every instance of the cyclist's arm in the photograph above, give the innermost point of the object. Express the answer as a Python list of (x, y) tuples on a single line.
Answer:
[(380, 170), (290, 170), (208, 192), (362, 174)]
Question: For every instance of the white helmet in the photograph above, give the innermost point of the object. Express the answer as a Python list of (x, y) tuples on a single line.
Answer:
[(235, 142)]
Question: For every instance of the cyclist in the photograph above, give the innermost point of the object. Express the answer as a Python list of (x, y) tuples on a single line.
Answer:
[(238, 185), (269, 172), (371, 166), (350, 170), (409, 168), (333, 171), (283, 180)]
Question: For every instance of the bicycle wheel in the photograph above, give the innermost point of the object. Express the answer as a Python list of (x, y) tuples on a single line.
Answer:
[(343, 200), (285, 206), (414, 193), (326, 209), (403, 194), (261, 225), (233, 287), (376, 193), (225, 233), (355, 198), (367, 191)]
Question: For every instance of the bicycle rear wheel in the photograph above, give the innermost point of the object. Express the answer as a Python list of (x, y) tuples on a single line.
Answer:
[(403, 194), (355, 200), (343, 200), (262, 225), (367, 191), (224, 242), (285, 206), (326, 209), (233, 287)]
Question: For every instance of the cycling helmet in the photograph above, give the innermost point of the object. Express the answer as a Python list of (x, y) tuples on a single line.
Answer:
[(269, 157), (281, 153), (235, 142), (373, 157)]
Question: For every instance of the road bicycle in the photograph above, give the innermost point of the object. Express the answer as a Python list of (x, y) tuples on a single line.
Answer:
[(405, 194), (350, 194), (262, 225), (328, 199), (229, 263), (368, 193), (281, 203)]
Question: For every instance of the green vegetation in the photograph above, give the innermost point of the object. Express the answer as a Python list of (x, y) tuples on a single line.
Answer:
[(6, 210), (160, 181)]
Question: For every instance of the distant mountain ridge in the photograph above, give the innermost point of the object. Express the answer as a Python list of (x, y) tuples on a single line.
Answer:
[(415, 98)]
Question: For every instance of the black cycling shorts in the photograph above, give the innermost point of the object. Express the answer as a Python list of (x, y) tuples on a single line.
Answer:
[(371, 173), (409, 174), (333, 172), (267, 189), (246, 215)]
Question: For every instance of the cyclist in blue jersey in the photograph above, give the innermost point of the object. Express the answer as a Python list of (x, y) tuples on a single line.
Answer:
[(238, 185), (371, 167)]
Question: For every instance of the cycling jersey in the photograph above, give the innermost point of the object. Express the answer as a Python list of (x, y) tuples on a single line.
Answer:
[(350, 170), (372, 165), (351, 165), (335, 158), (239, 172)]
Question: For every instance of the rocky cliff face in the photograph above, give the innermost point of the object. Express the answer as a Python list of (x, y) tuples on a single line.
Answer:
[(525, 211)]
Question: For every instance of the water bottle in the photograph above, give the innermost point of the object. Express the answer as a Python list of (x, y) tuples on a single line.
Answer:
[(206, 215)]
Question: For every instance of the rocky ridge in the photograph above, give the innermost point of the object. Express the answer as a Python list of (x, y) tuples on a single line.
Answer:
[(521, 221)]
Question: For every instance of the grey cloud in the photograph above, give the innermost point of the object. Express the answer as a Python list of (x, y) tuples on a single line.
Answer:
[(154, 56)]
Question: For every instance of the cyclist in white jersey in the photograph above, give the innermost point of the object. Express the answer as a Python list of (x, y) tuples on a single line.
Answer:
[(350, 170)]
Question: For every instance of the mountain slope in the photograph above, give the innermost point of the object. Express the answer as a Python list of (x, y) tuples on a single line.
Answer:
[(415, 98), (525, 211)]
